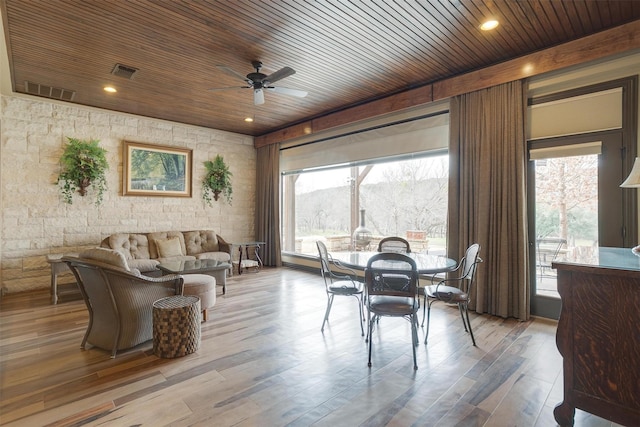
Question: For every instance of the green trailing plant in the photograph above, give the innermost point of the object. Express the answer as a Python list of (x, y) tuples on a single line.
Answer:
[(84, 164), (217, 181)]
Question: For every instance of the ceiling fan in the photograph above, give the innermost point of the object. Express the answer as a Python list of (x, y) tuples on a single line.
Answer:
[(259, 82)]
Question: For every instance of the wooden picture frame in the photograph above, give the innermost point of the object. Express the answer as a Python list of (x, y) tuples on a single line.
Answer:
[(156, 170)]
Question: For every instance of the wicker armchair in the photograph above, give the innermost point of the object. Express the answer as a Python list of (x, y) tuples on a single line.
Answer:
[(120, 301)]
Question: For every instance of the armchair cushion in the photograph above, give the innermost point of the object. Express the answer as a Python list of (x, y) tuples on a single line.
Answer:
[(144, 265), (106, 256)]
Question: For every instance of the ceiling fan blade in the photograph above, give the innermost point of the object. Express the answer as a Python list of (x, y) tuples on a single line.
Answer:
[(233, 73), (258, 97), (289, 91), (279, 75), (219, 89)]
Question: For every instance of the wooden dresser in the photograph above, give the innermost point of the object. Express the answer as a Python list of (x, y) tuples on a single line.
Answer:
[(599, 336)]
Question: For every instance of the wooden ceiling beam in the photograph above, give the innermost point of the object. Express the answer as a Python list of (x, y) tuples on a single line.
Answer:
[(600, 45), (596, 46)]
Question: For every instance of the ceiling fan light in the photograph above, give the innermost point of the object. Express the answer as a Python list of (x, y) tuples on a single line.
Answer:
[(258, 97)]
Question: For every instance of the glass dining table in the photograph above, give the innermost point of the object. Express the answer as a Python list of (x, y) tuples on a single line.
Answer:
[(425, 263)]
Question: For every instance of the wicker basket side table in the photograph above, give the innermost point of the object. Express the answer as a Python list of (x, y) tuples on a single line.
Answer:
[(176, 326)]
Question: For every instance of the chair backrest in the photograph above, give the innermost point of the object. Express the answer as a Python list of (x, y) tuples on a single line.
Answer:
[(470, 261), (391, 274), (325, 268), (394, 244), (469, 265), (550, 246)]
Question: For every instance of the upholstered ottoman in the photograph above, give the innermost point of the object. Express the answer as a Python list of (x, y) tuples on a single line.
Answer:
[(203, 286)]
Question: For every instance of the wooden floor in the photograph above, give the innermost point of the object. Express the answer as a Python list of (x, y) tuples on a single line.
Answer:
[(264, 362)]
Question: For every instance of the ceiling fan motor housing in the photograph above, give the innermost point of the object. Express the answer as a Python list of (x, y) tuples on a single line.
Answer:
[(257, 79)]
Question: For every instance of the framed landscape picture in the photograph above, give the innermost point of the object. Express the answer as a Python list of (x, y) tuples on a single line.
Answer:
[(156, 170)]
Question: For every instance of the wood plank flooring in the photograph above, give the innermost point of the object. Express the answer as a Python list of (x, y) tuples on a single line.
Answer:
[(264, 362)]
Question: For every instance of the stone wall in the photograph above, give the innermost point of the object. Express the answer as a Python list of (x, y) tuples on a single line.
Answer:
[(36, 222)]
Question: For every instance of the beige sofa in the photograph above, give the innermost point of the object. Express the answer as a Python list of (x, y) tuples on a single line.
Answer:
[(144, 251)]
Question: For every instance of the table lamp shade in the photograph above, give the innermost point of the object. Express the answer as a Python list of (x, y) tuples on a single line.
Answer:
[(633, 180)]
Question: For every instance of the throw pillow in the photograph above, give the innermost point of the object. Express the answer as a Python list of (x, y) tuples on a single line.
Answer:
[(169, 247)]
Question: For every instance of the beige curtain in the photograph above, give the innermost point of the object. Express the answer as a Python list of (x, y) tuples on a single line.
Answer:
[(267, 203), (487, 195)]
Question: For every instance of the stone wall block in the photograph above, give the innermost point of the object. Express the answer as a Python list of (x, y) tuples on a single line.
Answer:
[(11, 144), (99, 118), (42, 281), (39, 110), (14, 247)]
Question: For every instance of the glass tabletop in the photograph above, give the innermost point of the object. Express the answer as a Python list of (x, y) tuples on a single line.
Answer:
[(193, 265), (426, 263)]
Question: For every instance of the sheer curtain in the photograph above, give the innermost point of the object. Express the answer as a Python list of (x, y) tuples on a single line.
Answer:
[(267, 203), (487, 195)]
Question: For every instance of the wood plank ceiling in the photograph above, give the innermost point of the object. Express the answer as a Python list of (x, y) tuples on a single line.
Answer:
[(344, 52)]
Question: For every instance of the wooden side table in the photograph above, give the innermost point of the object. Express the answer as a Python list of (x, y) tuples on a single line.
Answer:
[(248, 256), (57, 267), (176, 326)]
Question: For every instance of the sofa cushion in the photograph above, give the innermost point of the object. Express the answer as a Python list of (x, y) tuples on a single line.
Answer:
[(133, 246), (201, 241), (163, 235), (168, 248), (218, 256), (106, 256), (177, 258)]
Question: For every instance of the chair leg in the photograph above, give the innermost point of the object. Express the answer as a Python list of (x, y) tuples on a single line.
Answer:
[(414, 336), (369, 337), (370, 322), (462, 317), (326, 314), (424, 309), (426, 334), (361, 317), (473, 340)]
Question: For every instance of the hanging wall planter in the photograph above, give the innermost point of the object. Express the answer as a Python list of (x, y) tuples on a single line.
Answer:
[(84, 165), (217, 181)]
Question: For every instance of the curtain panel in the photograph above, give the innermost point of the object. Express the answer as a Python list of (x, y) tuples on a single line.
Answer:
[(487, 195), (268, 202)]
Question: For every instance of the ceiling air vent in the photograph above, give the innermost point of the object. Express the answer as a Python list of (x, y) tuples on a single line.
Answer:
[(49, 91), (124, 71)]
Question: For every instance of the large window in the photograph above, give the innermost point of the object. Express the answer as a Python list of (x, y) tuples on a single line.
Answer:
[(390, 179), (406, 197)]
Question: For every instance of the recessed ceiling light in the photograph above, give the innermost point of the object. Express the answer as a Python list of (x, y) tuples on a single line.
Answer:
[(110, 89), (489, 25), (248, 119)]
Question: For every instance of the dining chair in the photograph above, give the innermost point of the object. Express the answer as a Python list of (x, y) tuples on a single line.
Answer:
[(455, 290), (387, 296), (394, 244), (344, 284), (548, 249)]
